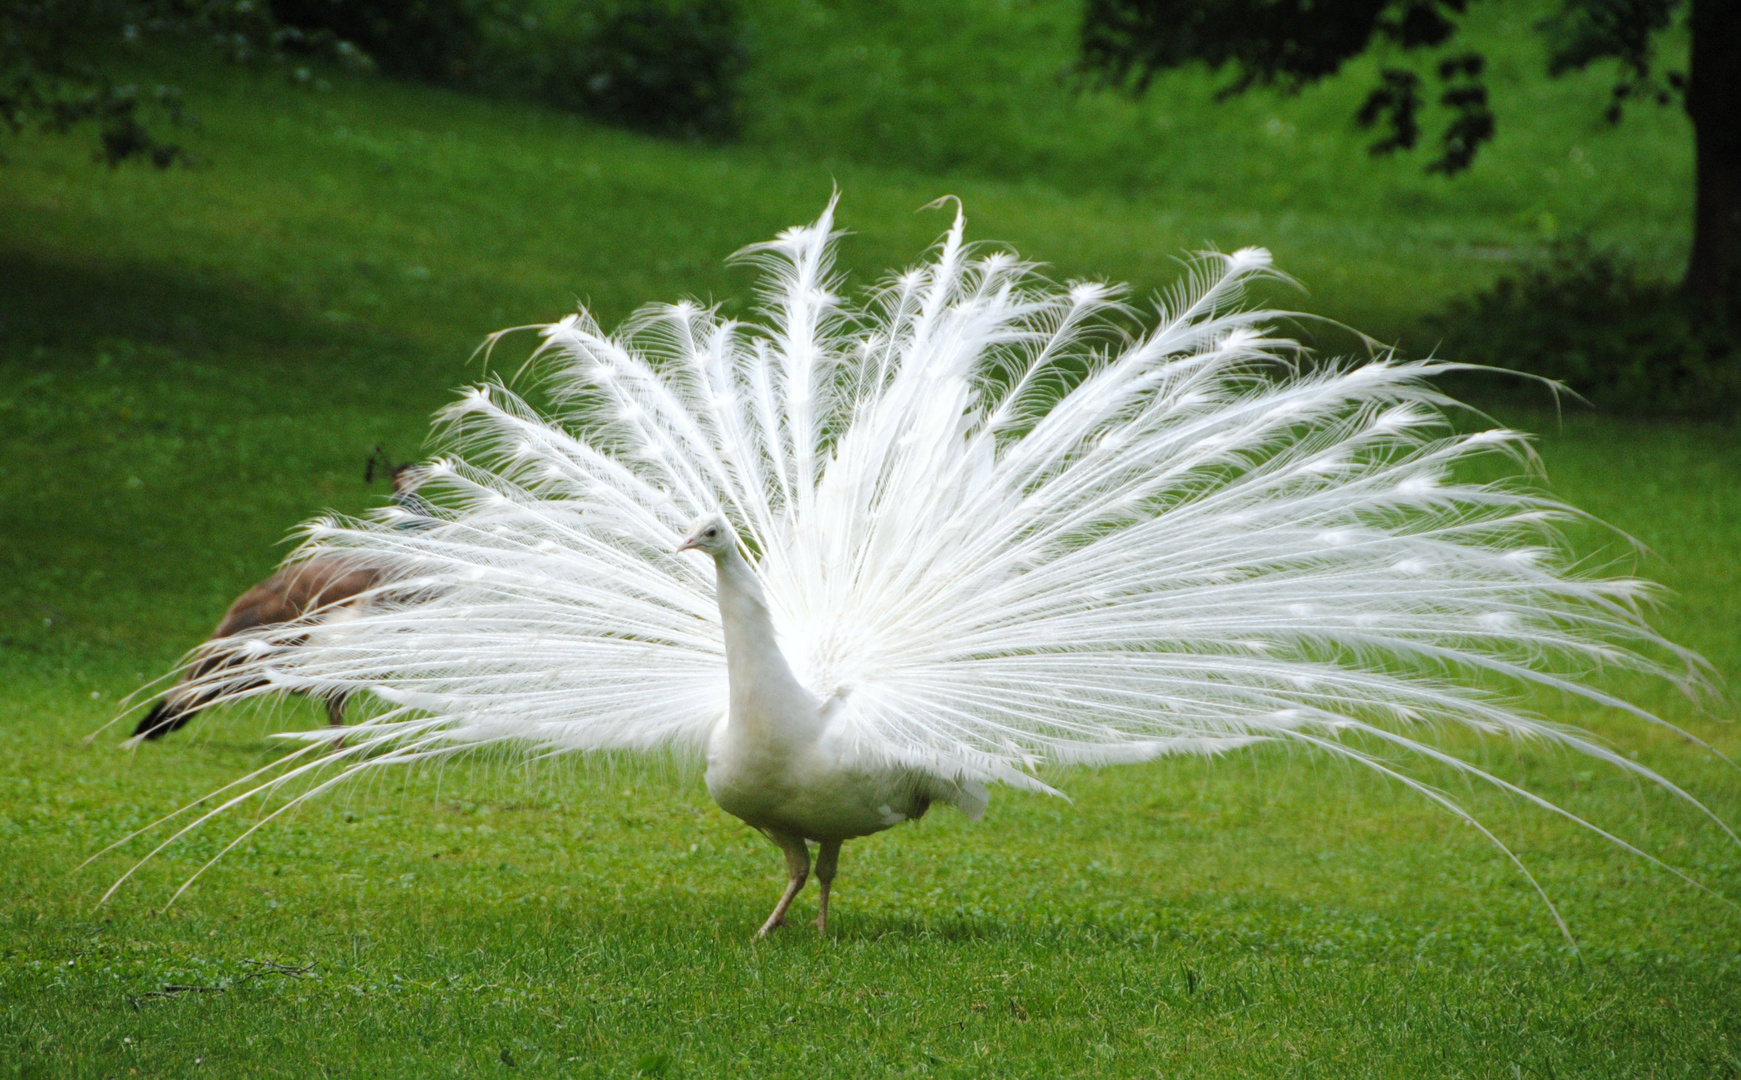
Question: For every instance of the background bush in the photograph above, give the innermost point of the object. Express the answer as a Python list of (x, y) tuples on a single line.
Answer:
[(1590, 319), (668, 67), (437, 40), (56, 66)]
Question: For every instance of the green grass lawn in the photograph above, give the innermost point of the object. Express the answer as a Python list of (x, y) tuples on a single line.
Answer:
[(192, 362), (986, 88)]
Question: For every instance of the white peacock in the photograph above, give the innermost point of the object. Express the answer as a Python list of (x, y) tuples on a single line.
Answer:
[(956, 534)]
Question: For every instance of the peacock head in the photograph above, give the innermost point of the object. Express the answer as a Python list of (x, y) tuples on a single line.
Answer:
[(710, 533)]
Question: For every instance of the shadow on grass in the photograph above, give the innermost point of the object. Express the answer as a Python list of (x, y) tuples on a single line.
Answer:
[(161, 429), (54, 304)]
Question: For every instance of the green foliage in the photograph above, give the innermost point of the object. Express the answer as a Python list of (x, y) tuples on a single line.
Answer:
[(438, 40), (59, 62), (1586, 317), (987, 88), (1584, 32), (1293, 43), (667, 67), (53, 77)]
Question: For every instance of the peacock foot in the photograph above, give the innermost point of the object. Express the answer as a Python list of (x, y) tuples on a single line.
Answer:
[(770, 926)]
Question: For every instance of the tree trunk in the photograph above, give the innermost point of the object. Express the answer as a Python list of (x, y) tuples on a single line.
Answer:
[(1714, 103)]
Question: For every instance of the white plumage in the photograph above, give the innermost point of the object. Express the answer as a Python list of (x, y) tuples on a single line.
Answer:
[(956, 534)]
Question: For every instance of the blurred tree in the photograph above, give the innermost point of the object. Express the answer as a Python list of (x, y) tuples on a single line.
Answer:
[(433, 40), (1292, 43), (49, 80), (58, 61), (665, 66)]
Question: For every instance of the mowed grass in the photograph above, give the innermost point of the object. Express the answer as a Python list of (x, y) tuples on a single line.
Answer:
[(195, 361)]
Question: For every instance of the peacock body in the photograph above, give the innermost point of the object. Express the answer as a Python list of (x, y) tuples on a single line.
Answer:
[(961, 532)]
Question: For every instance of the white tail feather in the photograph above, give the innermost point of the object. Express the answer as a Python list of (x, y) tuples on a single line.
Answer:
[(993, 534)]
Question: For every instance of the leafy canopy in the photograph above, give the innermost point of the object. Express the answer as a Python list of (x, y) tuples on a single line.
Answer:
[(1293, 43)]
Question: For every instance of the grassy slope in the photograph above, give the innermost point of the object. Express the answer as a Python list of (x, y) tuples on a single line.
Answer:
[(989, 86), (984, 88), (193, 362)]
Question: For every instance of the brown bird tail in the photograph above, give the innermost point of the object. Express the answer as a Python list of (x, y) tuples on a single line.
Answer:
[(163, 719)]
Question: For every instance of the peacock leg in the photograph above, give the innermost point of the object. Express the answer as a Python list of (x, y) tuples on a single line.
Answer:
[(335, 717), (797, 869), (827, 858)]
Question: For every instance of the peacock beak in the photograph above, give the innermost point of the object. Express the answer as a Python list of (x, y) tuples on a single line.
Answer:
[(690, 544)]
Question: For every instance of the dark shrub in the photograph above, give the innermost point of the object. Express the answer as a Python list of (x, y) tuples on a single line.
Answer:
[(57, 66), (438, 40), (669, 67), (1588, 319)]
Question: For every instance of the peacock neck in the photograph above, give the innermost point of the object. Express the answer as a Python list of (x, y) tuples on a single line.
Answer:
[(767, 701)]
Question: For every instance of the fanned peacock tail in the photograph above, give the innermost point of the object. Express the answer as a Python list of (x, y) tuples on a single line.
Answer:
[(995, 532)]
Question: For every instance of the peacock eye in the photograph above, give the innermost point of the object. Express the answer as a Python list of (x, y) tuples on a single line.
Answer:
[(711, 533)]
